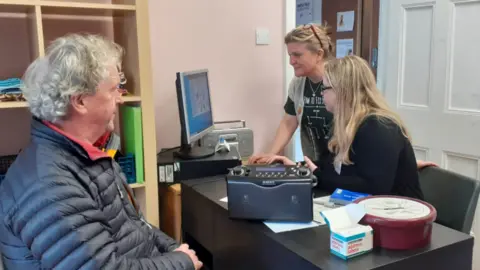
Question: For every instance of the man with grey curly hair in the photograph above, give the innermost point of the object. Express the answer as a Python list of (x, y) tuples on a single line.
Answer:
[(65, 203)]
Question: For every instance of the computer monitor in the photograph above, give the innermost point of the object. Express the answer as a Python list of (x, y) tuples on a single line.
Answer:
[(195, 110)]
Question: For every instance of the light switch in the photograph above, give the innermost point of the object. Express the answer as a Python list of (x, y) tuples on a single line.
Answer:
[(262, 36)]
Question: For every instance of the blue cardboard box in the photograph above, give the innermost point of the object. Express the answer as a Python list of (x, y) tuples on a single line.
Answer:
[(344, 197)]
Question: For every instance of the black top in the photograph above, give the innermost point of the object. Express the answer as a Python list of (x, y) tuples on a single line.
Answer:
[(383, 163), (316, 120)]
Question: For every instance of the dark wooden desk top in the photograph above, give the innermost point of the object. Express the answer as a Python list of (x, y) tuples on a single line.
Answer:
[(312, 244)]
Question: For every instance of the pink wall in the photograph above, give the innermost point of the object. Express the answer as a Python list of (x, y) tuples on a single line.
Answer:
[(246, 79)]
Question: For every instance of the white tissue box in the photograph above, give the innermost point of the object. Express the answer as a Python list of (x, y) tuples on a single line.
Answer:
[(348, 238), (350, 242)]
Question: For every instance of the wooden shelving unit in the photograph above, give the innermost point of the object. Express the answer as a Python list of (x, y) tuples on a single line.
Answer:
[(23, 104), (26, 29), (135, 186)]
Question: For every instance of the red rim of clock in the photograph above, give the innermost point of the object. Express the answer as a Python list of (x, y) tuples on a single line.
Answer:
[(371, 219)]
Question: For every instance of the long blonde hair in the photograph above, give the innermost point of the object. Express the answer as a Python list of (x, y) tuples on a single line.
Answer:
[(316, 37), (357, 97)]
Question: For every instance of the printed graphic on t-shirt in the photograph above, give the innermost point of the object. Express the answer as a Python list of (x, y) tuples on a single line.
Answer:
[(316, 120), (317, 116)]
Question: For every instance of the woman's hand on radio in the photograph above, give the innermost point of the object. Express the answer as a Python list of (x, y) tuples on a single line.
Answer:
[(254, 159), (281, 159), (310, 164), (260, 159)]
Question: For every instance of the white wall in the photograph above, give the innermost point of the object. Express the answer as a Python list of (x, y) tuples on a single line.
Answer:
[(289, 16), (245, 78)]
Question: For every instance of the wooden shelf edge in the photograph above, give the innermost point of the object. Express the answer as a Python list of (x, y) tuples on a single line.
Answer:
[(13, 104), (24, 104), (131, 98), (86, 5), (70, 5), (17, 3), (134, 186)]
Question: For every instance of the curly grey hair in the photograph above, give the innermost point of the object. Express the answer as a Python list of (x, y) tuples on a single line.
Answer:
[(73, 65)]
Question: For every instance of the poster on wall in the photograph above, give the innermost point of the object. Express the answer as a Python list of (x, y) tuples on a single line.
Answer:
[(345, 21), (317, 11), (304, 12), (344, 47)]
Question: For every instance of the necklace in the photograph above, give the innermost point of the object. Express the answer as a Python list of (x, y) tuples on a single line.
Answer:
[(311, 87)]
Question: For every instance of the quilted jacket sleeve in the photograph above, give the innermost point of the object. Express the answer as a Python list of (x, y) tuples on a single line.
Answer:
[(164, 242), (67, 230)]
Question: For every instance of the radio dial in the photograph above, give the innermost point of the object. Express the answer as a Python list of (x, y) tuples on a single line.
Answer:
[(302, 171), (237, 171)]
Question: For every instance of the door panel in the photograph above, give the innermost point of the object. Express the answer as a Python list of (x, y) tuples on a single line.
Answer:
[(370, 29), (429, 73)]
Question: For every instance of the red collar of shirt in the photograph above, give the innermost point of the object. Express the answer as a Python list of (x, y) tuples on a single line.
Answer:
[(93, 152)]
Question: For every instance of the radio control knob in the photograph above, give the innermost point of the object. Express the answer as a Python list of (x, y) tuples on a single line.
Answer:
[(237, 171), (302, 171)]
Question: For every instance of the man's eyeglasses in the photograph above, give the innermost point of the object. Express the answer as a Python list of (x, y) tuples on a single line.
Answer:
[(123, 79), (123, 82)]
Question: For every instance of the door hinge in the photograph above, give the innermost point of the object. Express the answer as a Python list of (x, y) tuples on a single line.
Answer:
[(374, 62)]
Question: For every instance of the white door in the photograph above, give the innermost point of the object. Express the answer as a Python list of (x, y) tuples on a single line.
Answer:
[(429, 71)]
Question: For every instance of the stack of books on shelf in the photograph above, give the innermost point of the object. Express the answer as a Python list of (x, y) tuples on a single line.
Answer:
[(133, 138), (130, 157)]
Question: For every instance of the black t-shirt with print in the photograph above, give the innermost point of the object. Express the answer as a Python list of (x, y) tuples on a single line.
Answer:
[(316, 120)]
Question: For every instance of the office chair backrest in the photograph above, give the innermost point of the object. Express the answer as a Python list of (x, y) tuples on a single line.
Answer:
[(455, 197)]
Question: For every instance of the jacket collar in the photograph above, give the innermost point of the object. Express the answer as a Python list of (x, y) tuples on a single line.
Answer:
[(47, 133)]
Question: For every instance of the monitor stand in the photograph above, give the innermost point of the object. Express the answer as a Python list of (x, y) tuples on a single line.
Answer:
[(186, 151)]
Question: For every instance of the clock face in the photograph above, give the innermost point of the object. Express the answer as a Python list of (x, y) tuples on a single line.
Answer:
[(395, 208)]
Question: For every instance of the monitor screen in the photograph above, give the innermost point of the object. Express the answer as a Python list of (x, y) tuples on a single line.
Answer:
[(197, 103)]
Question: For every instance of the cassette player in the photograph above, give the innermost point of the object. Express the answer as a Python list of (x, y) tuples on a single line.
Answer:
[(271, 192)]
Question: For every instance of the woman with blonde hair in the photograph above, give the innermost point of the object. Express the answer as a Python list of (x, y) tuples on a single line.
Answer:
[(309, 47), (370, 148)]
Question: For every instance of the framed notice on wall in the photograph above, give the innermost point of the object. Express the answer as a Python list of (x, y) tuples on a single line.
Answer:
[(344, 47), (342, 16), (345, 21), (308, 11), (304, 12)]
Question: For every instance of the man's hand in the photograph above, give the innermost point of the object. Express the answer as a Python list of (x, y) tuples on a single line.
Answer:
[(191, 253)]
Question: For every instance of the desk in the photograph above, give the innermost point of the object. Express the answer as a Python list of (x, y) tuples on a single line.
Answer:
[(222, 243)]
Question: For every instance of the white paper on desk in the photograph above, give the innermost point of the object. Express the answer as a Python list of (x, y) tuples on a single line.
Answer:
[(324, 199), (319, 207), (290, 226), (317, 217), (278, 227)]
